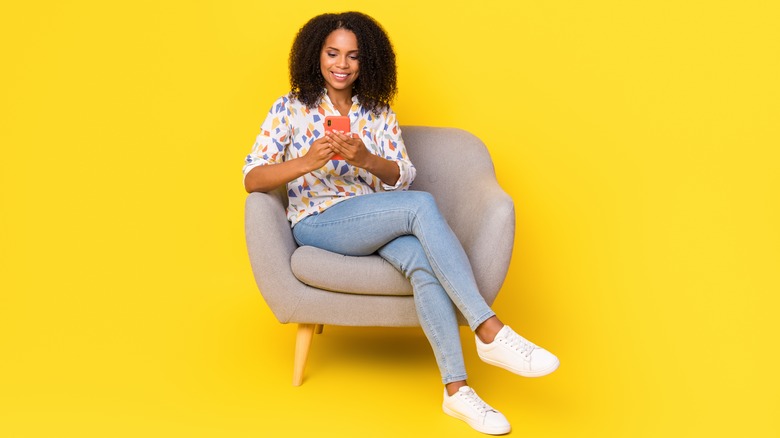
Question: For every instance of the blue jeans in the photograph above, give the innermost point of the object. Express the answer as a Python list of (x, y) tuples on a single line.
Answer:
[(407, 229)]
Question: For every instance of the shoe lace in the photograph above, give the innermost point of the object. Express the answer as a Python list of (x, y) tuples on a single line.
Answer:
[(473, 399), (519, 343)]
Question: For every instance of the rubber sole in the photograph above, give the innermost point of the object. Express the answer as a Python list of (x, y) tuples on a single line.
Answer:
[(539, 373), (476, 426)]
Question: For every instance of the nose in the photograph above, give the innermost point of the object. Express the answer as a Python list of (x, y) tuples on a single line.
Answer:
[(342, 62)]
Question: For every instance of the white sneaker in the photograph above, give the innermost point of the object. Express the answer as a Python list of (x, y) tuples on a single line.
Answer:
[(513, 352), (467, 406)]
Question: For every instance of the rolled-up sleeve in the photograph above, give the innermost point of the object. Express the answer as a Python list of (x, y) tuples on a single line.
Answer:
[(273, 138), (393, 149)]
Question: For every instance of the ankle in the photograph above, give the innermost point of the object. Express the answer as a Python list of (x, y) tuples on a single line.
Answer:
[(453, 387), (487, 331)]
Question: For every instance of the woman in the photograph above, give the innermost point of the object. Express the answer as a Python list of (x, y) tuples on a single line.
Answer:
[(344, 64)]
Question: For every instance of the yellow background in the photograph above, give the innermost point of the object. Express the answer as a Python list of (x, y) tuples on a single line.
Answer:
[(639, 141)]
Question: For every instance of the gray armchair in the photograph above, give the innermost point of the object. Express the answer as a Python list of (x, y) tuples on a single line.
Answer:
[(312, 287)]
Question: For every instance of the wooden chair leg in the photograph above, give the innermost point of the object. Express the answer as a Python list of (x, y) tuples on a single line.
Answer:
[(302, 344), (318, 329)]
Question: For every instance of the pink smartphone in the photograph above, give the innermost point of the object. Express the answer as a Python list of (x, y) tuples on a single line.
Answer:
[(337, 123)]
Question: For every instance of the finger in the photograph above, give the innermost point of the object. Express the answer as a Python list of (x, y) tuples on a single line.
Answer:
[(339, 148), (338, 140), (320, 144), (341, 135)]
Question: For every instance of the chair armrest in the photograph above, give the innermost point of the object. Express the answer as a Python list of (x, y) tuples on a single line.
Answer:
[(270, 245), (485, 224), (480, 213)]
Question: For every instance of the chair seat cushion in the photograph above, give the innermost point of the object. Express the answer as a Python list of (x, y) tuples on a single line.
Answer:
[(369, 275)]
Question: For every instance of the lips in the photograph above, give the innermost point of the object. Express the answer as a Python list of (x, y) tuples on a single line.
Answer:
[(340, 76)]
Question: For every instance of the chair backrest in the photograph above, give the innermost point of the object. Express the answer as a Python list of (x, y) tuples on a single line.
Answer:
[(446, 158), (452, 164)]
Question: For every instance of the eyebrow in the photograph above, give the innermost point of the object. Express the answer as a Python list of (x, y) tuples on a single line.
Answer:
[(333, 48)]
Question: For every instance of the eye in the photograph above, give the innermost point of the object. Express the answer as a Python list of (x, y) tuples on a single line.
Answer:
[(353, 57), (331, 55)]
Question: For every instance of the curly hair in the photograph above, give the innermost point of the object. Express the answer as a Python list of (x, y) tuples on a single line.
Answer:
[(376, 84)]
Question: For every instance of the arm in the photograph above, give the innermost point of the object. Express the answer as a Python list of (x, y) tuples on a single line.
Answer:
[(388, 171), (267, 177), (265, 168)]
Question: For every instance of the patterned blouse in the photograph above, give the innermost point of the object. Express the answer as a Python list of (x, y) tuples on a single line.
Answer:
[(289, 130)]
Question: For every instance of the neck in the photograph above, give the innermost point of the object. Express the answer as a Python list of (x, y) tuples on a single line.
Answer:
[(340, 97)]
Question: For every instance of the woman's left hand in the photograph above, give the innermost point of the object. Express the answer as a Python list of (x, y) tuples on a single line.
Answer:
[(351, 148)]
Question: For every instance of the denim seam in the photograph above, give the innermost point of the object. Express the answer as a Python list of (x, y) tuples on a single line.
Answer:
[(455, 378), (320, 220), (481, 319), (446, 283), (444, 360)]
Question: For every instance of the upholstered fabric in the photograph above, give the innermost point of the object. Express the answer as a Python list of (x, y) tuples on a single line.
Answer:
[(308, 285), (370, 275)]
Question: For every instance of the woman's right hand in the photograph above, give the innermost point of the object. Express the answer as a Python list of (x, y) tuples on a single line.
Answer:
[(319, 153), (268, 177)]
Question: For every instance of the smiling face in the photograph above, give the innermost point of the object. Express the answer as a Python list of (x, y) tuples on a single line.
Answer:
[(339, 62)]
